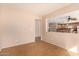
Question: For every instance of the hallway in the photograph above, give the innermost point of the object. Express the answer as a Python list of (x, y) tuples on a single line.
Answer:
[(35, 49)]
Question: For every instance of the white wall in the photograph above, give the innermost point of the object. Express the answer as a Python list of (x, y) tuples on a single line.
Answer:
[(17, 26), (64, 40)]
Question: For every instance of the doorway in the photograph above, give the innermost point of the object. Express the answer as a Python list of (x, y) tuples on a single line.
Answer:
[(37, 30)]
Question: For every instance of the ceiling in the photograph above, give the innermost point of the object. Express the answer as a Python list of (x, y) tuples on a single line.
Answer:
[(45, 8), (40, 8)]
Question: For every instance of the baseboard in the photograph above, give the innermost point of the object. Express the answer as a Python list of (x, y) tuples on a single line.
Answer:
[(55, 44), (17, 44)]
